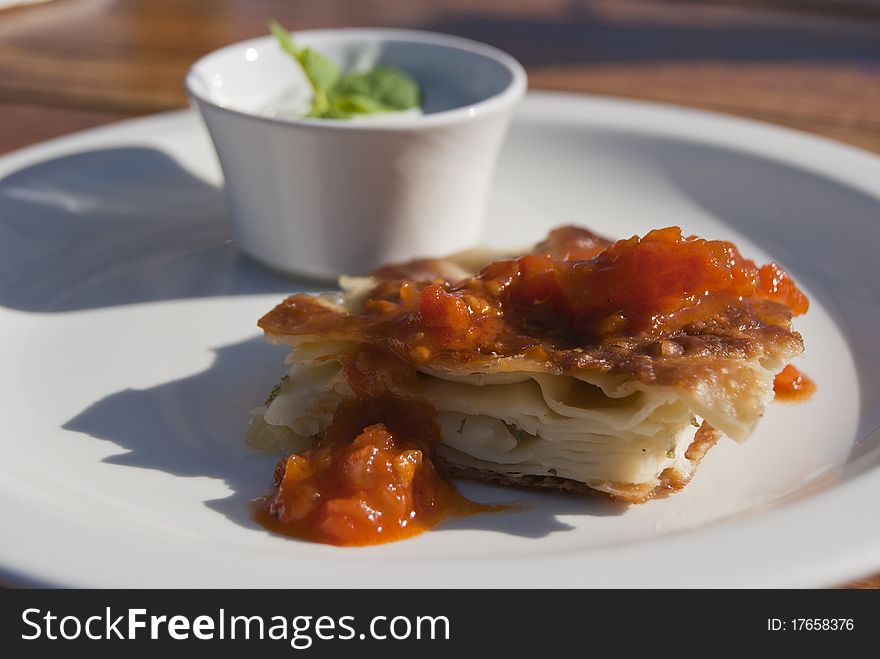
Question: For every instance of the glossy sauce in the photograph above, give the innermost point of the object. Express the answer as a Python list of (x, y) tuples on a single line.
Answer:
[(570, 292), (644, 284), (792, 386), (371, 478)]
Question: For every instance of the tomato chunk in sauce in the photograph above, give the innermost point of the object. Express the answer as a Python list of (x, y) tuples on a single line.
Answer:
[(371, 478), (639, 284), (792, 386), (365, 482), (572, 290)]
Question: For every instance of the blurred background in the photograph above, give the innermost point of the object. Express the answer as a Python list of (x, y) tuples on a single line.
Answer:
[(809, 64)]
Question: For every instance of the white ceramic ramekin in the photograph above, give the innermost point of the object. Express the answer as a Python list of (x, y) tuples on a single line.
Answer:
[(322, 197)]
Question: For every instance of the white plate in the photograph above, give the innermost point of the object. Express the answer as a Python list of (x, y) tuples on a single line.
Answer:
[(131, 360)]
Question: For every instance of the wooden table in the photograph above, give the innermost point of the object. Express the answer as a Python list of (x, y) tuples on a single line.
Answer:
[(808, 64)]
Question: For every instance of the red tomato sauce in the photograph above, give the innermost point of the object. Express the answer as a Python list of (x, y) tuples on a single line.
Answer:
[(369, 480), (792, 386), (568, 293), (372, 477)]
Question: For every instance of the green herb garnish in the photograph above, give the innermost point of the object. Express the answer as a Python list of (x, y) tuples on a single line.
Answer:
[(338, 96)]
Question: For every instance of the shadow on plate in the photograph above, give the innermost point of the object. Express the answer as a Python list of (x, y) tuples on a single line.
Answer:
[(530, 515), (118, 226), (194, 427), (163, 236)]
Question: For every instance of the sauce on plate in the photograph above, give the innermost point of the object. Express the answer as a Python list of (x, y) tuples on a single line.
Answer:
[(792, 386), (371, 478)]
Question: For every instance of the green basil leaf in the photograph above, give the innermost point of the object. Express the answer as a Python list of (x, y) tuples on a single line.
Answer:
[(390, 88), (339, 97), (321, 73), (340, 107), (284, 39)]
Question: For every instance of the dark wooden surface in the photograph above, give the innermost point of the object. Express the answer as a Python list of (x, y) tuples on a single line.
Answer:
[(808, 64)]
